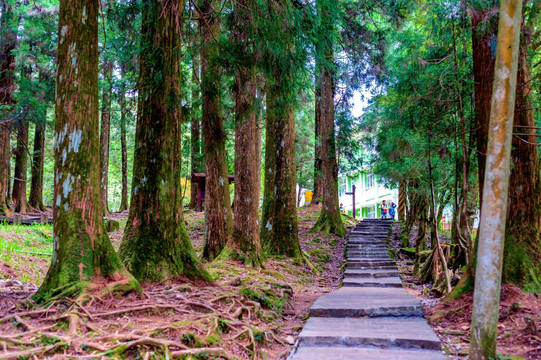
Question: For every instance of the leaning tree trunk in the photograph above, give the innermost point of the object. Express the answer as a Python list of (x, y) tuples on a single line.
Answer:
[(329, 220), (155, 246), (123, 148), (245, 240), (522, 250), (8, 42), (218, 214), (18, 195), (82, 253), (38, 156), (195, 131), (105, 134)]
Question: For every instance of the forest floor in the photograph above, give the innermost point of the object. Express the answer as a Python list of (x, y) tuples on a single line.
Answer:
[(519, 326), (243, 314)]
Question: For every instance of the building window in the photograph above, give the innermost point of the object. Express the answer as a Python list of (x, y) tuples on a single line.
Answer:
[(370, 181), (341, 186), (371, 212)]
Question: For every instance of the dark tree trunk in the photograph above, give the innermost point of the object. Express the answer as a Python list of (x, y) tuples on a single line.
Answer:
[(104, 135), (218, 214), (420, 240), (155, 246), (279, 232), (195, 132), (38, 156), (317, 145), (245, 238), (484, 28), (329, 220), (18, 195), (8, 42), (522, 251), (82, 252), (124, 150)]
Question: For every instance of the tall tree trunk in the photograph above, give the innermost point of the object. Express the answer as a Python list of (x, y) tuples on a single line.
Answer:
[(218, 214), (155, 246), (8, 42), (316, 197), (82, 252), (38, 156), (195, 132), (245, 238), (329, 220), (18, 195), (522, 250), (484, 26), (420, 240), (104, 135), (123, 148)]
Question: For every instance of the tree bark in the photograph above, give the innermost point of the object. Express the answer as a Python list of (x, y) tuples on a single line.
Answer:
[(82, 252), (105, 135), (245, 238), (18, 195), (38, 157), (329, 220), (8, 43), (123, 146), (522, 250), (484, 26), (218, 214), (317, 143), (195, 132), (155, 246)]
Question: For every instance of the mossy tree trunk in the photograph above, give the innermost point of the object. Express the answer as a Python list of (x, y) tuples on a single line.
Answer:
[(38, 157), (123, 148), (82, 252), (522, 250), (245, 238), (329, 220), (197, 163), (105, 134), (155, 246), (316, 197), (18, 194), (8, 43), (218, 214)]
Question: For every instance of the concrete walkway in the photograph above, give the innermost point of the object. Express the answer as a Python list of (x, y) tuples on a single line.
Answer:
[(371, 316)]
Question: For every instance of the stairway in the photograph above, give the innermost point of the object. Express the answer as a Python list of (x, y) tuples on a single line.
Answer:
[(371, 316)]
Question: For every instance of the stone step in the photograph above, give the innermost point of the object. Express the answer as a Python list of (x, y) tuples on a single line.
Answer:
[(388, 281), (379, 256), (383, 332), (370, 257), (368, 353), (360, 302), (365, 267), (374, 273), (370, 261)]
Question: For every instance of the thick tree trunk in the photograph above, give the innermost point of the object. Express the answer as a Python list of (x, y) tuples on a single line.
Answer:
[(522, 251), (195, 132), (329, 220), (104, 135), (38, 157), (218, 214), (279, 221), (18, 195), (82, 252), (124, 150), (245, 238), (8, 42), (484, 27), (155, 246)]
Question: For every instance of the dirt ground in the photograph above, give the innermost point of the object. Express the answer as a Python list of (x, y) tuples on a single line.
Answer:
[(519, 328), (245, 313)]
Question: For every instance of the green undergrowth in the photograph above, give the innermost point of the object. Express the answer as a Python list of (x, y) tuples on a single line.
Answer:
[(24, 249)]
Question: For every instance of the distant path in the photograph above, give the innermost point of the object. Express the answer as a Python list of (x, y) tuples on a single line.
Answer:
[(371, 316)]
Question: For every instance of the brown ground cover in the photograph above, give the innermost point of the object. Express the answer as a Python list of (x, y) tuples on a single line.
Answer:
[(245, 313)]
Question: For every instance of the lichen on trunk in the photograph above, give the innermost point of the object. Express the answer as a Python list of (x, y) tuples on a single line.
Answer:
[(155, 246), (82, 253)]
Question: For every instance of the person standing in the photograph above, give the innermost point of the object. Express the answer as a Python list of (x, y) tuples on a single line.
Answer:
[(384, 209), (392, 210)]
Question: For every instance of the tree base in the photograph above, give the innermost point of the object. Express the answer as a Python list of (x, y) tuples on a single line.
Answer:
[(246, 258), (327, 224)]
